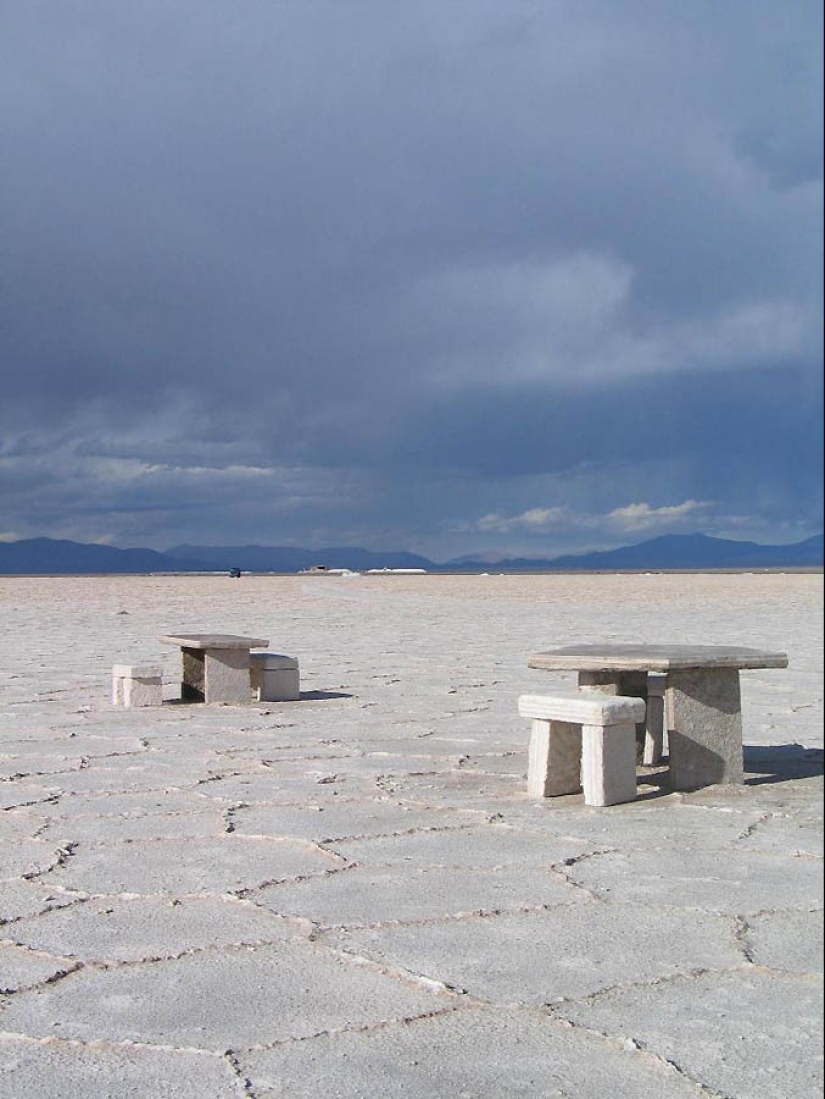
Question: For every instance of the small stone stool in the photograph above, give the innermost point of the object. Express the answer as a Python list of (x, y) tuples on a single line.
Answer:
[(586, 740), (137, 685), (274, 677)]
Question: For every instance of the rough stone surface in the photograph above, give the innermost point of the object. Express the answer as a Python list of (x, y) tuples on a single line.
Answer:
[(585, 707), (704, 727), (555, 759), (137, 685), (654, 720), (609, 763), (602, 657), (226, 676), (354, 895), (274, 677), (142, 692)]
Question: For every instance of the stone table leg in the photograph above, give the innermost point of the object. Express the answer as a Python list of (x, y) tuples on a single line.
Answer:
[(192, 677), (226, 676), (554, 765), (609, 682), (704, 727), (627, 684), (654, 720)]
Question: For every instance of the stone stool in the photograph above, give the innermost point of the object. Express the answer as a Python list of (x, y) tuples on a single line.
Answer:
[(274, 677), (137, 685), (586, 740)]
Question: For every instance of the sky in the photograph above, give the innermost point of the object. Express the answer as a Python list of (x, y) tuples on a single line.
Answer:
[(456, 277)]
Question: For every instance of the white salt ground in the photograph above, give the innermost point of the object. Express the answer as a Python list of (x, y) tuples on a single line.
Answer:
[(353, 896)]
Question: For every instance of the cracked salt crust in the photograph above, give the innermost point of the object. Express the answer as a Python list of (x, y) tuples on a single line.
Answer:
[(727, 1041), (352, 895)]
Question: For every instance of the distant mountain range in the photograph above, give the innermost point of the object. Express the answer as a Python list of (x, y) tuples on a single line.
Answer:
[(47, 556), (42, 556), (677, 551)]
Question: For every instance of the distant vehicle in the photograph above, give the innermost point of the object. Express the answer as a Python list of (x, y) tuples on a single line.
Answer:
[(235, 573)]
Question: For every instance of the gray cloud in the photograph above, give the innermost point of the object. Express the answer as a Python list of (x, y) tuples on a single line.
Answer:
[(388, 271)]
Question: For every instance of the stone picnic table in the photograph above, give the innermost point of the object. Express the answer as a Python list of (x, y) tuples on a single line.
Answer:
[(215, 665), (694, 687)]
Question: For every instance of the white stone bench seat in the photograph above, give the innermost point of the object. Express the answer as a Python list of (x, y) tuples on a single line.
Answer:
[(274, 677), (583, 741), (137, 685)]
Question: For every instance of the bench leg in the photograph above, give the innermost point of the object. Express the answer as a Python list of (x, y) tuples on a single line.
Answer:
[(704, 727), (554, 765), (142, 692), (609, 763), (654, 720)]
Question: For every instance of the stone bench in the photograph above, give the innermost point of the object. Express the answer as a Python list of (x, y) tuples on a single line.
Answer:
[(586, 740), (137, 685), (274, 677)]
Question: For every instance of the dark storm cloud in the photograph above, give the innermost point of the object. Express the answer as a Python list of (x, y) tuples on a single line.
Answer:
[(357, 271)]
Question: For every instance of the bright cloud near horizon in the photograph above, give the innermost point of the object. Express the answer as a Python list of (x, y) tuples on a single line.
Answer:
[(452, 277)]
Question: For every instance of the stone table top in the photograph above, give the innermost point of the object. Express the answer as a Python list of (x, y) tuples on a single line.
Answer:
[(653, 658), (214, 641)]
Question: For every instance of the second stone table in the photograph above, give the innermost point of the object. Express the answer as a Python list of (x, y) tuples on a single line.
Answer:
[(215, 665)]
